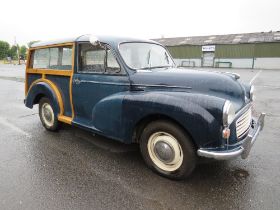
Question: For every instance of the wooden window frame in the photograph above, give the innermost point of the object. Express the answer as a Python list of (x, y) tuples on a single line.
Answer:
[(68, 72)]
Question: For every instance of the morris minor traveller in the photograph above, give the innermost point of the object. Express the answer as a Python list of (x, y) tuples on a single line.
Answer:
[(130, 90)]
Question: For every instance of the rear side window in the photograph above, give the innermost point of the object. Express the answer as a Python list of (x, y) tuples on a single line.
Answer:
[(53, 58), (56, 58), (66, 56), (41, 58)]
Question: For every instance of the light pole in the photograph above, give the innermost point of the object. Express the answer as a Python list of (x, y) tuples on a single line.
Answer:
[(18, 54), (17, 50)]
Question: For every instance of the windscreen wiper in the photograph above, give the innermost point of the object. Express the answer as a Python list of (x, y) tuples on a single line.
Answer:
[(154, 67)]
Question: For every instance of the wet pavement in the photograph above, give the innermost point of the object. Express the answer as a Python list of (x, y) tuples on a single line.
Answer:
[(72, 169)]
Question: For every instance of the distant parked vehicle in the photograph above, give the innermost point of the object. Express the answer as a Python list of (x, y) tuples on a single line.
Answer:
[(130, 90), (8, 60)]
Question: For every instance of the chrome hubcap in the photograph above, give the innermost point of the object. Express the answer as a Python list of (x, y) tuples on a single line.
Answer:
[(165, 151), (47, 114)]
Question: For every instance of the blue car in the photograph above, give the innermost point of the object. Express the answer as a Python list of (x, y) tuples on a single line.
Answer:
[(130, 90)]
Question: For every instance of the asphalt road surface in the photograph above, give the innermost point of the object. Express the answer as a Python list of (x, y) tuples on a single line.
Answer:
[(72, 169)]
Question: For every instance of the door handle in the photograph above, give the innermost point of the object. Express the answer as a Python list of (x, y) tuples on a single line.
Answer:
[(76, 81)]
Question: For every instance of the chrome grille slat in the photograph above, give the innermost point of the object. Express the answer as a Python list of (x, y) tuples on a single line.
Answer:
[(244, 115), (243, 123), (244, 133), (241, 130)]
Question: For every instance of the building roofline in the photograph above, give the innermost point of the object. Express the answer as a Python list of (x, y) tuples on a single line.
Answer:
[(239, 38)]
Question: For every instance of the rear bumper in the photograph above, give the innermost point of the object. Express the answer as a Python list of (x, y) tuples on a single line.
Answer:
[(243, 150)]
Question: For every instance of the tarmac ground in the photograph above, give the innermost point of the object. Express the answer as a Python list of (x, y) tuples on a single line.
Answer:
[(72, 169)]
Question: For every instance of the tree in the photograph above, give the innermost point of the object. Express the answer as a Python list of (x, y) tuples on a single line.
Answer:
[(4, 49), (13, 52), (22, 51), (29, 44)]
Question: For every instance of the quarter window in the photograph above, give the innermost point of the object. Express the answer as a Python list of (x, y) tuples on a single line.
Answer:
[(57, 58)]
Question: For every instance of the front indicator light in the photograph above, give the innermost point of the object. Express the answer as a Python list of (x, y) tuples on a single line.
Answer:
[(226, 133)]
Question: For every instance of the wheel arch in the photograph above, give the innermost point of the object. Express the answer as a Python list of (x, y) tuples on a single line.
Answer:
[(142, 123), (41, 89), (38, 98), (196, 114)]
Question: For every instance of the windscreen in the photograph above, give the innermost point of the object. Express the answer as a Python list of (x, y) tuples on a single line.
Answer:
[(145, 55)]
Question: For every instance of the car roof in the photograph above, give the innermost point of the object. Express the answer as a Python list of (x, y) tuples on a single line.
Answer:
[(112, 40)]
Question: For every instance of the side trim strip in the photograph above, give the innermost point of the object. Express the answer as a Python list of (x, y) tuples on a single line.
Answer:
[(50, 72), (71, 82), (52, 45), (26, 69), (65, 119), (106, 83), (166, 86)]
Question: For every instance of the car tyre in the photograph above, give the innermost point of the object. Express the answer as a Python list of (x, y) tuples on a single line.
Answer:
[(47, 115), (168, 150)]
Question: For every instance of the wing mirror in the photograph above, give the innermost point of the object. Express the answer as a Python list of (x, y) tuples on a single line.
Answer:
[(94, 41)]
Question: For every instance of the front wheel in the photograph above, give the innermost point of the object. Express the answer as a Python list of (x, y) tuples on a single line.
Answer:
[(168, 149), (47, 115)]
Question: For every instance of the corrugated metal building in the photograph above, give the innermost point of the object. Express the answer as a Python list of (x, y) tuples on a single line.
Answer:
[(252, 50)]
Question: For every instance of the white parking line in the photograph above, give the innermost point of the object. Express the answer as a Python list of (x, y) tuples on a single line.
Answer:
[(5, 123), (268, 86), (255, 77)]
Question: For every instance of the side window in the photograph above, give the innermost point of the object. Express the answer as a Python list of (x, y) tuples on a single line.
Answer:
[(54, 55), (97, 59), (56, 58), (112, 64), (41, 59), (91, 58), (66, 58)]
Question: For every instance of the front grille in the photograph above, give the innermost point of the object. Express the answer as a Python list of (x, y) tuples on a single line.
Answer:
[(243, 123)]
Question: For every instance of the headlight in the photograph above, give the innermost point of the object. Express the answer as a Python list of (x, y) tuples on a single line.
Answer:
[(252, 97), (228, 113)]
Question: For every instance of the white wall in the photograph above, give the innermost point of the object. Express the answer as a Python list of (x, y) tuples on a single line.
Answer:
[(259, 63), (197, 61), (236, 62), (267, 63)]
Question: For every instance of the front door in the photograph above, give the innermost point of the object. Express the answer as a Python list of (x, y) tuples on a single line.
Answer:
[(208, 59), (98, 77)]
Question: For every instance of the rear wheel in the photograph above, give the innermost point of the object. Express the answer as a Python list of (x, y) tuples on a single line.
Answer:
[(168, 149), (47, 115)]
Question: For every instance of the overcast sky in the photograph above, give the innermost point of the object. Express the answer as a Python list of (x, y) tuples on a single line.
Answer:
[(43, 20)]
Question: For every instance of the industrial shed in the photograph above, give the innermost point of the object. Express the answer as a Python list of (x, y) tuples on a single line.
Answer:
[(251, 50)]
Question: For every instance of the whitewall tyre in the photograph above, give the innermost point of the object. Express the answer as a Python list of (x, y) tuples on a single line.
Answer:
[(47, 115), (168, 149)]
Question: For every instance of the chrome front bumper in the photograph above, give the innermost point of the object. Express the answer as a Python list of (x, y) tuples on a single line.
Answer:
[(243, 150)]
